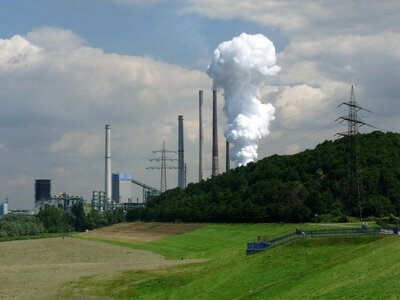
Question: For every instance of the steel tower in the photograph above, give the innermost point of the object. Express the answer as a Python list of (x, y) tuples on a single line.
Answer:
[(163, 165), (353, 136)]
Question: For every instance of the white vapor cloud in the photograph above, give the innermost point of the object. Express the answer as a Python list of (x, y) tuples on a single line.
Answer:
[(240, 67)]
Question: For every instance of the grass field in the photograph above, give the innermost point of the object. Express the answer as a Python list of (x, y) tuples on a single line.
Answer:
[(35, 269), (204, 262), (358, 267)]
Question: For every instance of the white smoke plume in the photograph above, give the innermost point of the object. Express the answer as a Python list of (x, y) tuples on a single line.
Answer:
[(240, 67)]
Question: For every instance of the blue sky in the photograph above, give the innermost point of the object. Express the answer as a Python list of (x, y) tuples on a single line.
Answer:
[(159, 31), (68, 67)]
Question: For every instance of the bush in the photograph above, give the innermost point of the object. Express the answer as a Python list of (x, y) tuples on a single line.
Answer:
[(135, 214)]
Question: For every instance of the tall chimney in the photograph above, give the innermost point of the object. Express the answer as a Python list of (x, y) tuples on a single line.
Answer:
[(107, 184), (201, 138), (228, 164), (181, 160), (215, 170)]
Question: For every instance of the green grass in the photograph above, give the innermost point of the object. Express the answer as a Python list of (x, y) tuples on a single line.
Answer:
[(332, 268)]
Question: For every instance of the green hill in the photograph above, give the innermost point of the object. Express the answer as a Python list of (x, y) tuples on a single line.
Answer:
[(293, 188), (334, 268)]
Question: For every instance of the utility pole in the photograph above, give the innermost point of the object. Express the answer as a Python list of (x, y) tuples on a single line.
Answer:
[(353, 136), (163, 165)]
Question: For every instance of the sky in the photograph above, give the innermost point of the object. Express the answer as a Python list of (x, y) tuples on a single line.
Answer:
[(68, 67)]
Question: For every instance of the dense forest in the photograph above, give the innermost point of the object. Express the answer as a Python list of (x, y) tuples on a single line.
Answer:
[(293, 188)]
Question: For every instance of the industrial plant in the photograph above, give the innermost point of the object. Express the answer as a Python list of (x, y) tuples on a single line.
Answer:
[(118, 187)]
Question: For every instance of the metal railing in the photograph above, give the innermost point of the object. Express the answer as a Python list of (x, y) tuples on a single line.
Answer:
[(255, 247)]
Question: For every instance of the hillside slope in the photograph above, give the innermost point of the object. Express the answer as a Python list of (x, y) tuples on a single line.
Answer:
[(344, 268), (293, 188)]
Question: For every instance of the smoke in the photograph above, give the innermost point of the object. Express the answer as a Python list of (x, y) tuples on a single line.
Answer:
[(240, 67)]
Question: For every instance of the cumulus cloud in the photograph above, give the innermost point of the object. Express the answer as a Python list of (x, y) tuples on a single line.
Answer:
[(17, 53), (56, 39)]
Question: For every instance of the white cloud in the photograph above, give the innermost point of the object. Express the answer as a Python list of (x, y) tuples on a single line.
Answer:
[(55, 39), (299, 103), (17, 54), (305, 18), (78, 143)]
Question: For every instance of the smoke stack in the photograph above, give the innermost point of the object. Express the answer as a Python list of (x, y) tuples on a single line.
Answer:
[(107, 184), (215, 170), (228, 165), (201, 135), (181, 161)]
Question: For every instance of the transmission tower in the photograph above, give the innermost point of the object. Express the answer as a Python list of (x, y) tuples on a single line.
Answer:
[(163, 165), (352, 134)]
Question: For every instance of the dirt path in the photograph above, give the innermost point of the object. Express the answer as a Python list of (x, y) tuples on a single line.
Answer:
[(35, 269), (141, 232)]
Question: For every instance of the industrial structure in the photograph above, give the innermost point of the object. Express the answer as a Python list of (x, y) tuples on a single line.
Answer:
[(99, 200), (107, 157), (163, 165), (122, 188), (65, 201), (43, 196), (42, 191), (148, 192), (181, 155), (215, 169), (227, 158), (4, 208), (352, 134), (201, 137)]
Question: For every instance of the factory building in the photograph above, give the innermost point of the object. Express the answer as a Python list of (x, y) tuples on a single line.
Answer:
[(42, 192), (3, 209), (122, 188), (66, 201), (99, 200)]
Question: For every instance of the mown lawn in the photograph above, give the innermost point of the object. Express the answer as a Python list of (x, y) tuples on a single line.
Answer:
[(358, 267)]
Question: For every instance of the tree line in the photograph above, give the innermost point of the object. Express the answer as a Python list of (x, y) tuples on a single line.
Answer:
[(51, 219)]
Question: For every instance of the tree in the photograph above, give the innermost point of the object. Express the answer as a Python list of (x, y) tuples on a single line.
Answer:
[(79, 217), (54, 219)]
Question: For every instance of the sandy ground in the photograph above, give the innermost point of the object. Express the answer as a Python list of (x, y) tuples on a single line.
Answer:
[(35, 269), (141, 232)]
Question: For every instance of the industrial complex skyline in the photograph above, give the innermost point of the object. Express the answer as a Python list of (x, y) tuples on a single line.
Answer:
[(68, 68)]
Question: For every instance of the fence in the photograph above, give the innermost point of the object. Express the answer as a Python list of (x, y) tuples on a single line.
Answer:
[(255, 247)]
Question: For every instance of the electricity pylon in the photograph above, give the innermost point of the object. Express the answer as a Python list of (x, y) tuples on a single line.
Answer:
[(352, 134), (163, 165)]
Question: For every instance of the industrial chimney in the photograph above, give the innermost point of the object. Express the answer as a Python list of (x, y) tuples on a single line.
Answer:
[(228, 164), (181, 160), (201, 139), (107, 184), (214, 169)]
